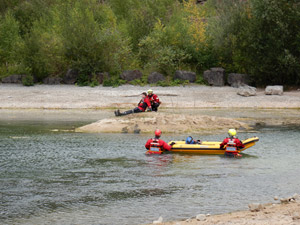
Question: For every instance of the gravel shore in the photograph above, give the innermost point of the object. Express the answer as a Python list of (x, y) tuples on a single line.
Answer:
[(269, 214), (14, 96)]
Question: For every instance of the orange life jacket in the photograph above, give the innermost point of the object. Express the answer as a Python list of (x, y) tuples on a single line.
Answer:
[(231, 146), (155, 146)]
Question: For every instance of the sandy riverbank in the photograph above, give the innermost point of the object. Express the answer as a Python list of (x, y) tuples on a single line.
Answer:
[(167, 122), (14, 96), (268, 214)]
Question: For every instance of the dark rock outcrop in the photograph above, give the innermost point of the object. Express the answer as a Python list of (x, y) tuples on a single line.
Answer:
[(154, 77), (215, 76), (185, 75), (52, 80), (130, 75), (71, 76), (237, 79), (14, 79)]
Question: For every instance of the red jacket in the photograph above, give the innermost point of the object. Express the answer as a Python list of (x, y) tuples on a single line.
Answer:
[(153, 98), (144, 103), (161, 144), (237, 142)]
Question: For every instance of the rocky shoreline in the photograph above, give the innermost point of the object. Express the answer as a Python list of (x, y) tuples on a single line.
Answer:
[(287, 211)]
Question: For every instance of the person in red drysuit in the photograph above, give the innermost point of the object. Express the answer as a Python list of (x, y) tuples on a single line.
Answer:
[(142, 106), (156, 144), (154, 100), (233, 144)]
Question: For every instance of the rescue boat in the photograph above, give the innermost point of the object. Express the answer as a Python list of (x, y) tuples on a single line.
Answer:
[(205, 147)]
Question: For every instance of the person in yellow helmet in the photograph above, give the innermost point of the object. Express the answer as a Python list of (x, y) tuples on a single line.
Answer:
[(232, 144), (154, 100)]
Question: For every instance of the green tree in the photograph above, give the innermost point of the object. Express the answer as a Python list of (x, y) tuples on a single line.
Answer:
[(10, 43), (272, 39), (259, 37)]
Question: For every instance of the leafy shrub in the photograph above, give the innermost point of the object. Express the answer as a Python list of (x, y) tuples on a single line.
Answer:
[(169, 82), (137, 82), (94, 82), (159, 55), (28, 80), (113, 82), (44, 51), (10, 45), (200, 80)]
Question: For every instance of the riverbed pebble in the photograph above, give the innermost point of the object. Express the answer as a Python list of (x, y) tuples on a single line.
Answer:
[(160, 220), (284, 200), (276, 198), (255, 207), (189, 220), (296, 216), (201, 217), (296, 197)]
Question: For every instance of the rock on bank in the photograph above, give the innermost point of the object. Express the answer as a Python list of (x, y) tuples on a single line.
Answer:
[(168, 123)]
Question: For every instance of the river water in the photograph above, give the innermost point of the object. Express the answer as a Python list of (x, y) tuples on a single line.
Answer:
[(51, 175)]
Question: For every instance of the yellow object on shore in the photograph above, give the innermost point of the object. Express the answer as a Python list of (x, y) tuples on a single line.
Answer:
[(207, 147)]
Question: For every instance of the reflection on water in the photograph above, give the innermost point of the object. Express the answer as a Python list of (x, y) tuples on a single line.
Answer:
[(69, 178)]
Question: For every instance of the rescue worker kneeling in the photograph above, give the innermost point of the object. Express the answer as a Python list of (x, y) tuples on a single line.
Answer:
[(190, 140), (154, 100), (142, 106), (156, 145), (233, 144)]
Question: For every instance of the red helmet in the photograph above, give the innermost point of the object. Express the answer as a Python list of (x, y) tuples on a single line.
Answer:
[(157, 132)]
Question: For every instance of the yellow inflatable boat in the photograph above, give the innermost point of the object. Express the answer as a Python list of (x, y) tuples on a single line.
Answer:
[(207, 147)]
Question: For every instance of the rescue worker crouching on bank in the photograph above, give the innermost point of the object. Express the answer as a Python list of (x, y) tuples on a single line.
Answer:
[(156, 145), (233, 144), (142, 106), (154, 100)]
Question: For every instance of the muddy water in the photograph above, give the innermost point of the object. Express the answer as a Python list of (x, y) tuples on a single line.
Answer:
[(51, 175)]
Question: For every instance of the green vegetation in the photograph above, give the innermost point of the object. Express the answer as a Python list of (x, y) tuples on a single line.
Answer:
[(28, 80), (43, 38)]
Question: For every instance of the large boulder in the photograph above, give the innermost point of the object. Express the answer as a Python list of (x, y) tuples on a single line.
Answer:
[(215, 76), (71, 76), (274, 90), (14, 79), (185, 75), (52, 80), (154, 77), (130, 75), (237, 79), (246, 91)]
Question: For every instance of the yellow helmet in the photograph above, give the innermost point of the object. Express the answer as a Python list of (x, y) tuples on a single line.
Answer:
[(232, 132), (150, 91)]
